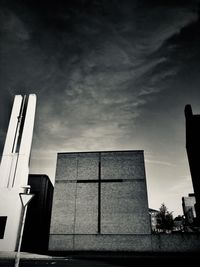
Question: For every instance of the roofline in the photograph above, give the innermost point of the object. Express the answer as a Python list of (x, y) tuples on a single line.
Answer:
[(153, 210), (104, 151), (38, 174)]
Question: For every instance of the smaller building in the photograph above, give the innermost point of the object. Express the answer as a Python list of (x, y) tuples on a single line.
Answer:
[(37, 224), (179, 222), (188, 204), (153, 218)]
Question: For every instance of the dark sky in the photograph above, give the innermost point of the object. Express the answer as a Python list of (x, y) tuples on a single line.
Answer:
[(109, 75)]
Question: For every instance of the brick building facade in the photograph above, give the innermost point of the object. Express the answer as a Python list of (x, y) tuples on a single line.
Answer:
[(100, 201)]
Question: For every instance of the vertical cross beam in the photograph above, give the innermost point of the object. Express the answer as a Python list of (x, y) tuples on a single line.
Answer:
[(99, 196), (99, 181)]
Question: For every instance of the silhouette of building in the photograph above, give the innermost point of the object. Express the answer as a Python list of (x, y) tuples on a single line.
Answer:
[(188, 204), (100, 202), (179, 223), (37, 224), (193, 151)]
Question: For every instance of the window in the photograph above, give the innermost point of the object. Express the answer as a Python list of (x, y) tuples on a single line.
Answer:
[(3, 220)]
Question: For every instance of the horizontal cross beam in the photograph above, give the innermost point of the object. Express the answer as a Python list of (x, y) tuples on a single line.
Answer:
[(102, 181)]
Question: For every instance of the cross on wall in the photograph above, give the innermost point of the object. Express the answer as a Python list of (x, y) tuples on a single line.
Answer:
[(99, 182)]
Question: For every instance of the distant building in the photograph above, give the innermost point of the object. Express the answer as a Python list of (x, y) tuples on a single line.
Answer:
[(100, 202), (37, 224), (179, 223), (193, 151), (188, 204), (153, 217)]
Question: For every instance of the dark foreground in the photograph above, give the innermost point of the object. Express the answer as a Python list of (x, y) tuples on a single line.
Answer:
[(173, 259)]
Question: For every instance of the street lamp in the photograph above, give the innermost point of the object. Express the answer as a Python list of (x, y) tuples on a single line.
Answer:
[(25, 199)]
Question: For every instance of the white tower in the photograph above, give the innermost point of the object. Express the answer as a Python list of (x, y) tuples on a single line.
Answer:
[(14, 169)]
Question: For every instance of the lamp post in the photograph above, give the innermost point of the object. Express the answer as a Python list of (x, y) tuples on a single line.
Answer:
[(25, 199)]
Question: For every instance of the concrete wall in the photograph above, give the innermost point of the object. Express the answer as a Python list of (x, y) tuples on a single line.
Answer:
[(102, 194), (123, 209), (137, 243), (106, 242), (180, 242), (127, 165), (11, 207)]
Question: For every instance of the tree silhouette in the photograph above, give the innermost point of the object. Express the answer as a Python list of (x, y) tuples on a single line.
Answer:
[(164, 218)]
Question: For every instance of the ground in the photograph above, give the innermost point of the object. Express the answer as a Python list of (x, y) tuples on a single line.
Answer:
[(86, 260)]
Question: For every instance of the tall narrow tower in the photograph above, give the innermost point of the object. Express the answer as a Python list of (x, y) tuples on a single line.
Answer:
[(14, 169), (193, 150)]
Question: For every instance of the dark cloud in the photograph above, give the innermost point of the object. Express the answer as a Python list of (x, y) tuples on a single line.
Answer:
[(102, 70), (97, 62)]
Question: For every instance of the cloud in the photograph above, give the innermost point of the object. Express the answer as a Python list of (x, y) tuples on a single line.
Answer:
[(183, 185), (93, 69), (12, 28), (159, 162)]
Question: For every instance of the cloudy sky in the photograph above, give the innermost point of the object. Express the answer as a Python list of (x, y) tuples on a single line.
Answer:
[(109, 75)]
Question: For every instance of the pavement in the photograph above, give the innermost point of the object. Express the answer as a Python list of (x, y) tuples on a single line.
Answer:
[(7, 259), (23, 255), (95, 260)]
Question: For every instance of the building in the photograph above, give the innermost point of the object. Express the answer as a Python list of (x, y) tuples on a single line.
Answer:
[(14, 170), (153, 217), (37, 224), (193, 149), (179, 223), (100, 202), (188, 204)]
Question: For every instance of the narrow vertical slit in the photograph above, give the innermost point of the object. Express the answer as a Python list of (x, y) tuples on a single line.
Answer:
[(20, 124), (17, 138), (75, 200), (99, 195)]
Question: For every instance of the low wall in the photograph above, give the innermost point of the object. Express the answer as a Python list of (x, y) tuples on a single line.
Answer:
[(179, 242)]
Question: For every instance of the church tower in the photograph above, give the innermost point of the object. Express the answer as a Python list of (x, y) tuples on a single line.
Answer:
[(14, 169)]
